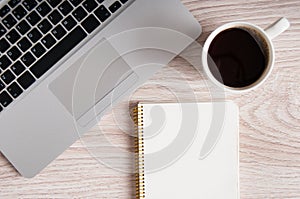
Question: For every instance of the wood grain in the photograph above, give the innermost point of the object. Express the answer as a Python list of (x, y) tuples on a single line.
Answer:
[(269, 121)]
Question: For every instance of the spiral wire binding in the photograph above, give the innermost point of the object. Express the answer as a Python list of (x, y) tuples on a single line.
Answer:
[(138, 118)]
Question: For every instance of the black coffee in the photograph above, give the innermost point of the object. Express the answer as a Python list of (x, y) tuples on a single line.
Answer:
[(239, 59)]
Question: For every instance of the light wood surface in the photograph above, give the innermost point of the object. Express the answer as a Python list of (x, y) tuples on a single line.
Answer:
[(269, 121)]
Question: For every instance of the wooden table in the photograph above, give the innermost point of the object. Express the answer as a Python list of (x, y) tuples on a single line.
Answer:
[(269, 120)]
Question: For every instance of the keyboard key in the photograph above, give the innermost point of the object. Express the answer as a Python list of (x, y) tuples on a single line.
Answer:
[(115, 6), (38, 50), (2, 85), (14, 53), (14, 90), (90, 5), (13, 3), (4, 62), (2, 30), (123, 1), (4, 45), (59, 32), (43, 9), (58, 52), (19, 12), (45, 26), (4, 10), (24, 44), (90, 23), (48, 41), (100, 1), (18, 68), (9, 21), (1, 109), (75, 2), (23, 27), (28, 59), (29, 4), (34, 35), (102, 13), (79, 14), (69, 23), (26, 80), (5, 99), (54, 3), (13, 36), (55, 17), (65, 8), (33, 18), (8, 77)]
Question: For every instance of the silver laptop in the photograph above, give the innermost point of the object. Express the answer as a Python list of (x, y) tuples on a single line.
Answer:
[(63, 63)]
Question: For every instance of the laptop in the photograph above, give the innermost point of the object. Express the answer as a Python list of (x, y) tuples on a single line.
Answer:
[(64, 63)]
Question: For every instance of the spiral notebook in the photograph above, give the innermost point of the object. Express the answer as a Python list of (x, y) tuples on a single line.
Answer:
[(187, 151)]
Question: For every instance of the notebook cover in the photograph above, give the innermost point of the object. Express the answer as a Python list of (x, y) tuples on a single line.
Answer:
[(171, 138)]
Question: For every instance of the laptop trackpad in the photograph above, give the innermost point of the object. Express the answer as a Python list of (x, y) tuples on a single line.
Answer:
[(99, 76)]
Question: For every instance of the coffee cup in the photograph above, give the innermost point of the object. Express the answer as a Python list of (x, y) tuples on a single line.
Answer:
[(240, 56)]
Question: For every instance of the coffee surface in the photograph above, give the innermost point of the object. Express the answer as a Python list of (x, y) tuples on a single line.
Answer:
[(239, 59)]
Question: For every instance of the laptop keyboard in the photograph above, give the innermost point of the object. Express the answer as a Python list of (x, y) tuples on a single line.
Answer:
[(36, 34)]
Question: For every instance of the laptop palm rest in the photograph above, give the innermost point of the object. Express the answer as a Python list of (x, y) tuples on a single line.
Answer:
[(93, 82)]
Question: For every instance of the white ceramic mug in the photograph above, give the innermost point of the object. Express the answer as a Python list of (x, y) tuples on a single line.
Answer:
[(263, 38)]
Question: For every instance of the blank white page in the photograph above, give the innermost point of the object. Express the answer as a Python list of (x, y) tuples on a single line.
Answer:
[(187, 175)]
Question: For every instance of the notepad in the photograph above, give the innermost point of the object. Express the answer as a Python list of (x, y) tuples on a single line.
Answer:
[(187, 151)]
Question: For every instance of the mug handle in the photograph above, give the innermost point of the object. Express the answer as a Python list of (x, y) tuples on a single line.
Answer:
[(277, 28)]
